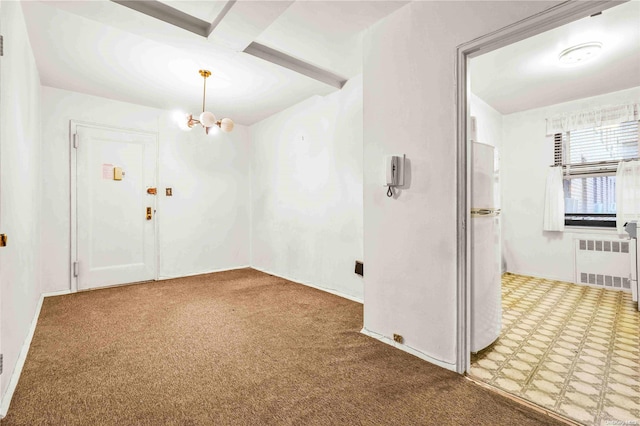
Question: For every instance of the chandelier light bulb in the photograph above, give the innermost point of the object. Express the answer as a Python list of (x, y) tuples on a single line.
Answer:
[(226, 125), (178, 116), (207, 119)]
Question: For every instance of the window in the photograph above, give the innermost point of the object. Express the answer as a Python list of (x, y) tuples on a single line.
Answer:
[(590, 159)]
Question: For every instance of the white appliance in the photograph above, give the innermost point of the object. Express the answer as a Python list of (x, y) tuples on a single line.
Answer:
[(486, 295), (632, 229)]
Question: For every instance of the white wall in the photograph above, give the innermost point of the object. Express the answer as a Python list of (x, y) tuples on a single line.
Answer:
[(307, 191), (410, 242), (527, 154), (205, 225), (202, 228), (20, 178)]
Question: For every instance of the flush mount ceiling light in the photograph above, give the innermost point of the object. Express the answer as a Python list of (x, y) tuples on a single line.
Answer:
[(206, 118), (580, 54)]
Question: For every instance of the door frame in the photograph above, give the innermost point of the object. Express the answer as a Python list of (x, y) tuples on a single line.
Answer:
[(2, 413), (554, 17), (73, 191)]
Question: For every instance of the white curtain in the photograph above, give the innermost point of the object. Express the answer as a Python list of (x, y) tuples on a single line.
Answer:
[(595, 117), (627, 193), (554, 201)]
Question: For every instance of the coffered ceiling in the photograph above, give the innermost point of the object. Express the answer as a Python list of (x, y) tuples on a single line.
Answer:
[(149, 52)]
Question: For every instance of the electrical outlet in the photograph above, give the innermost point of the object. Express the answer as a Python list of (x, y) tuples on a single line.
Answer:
[(398, 338)]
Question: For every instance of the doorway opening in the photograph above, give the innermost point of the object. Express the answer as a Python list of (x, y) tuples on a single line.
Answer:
[(559, 342)]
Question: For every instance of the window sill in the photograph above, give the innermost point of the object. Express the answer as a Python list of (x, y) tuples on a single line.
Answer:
[(591, 230)]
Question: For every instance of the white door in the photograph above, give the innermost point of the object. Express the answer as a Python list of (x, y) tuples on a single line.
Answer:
[(116, 237)]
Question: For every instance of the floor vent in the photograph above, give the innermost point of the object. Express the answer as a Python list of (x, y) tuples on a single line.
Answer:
[(604, 263)]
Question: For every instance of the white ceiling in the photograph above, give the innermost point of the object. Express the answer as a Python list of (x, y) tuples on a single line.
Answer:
[(527, 74), (105, 49)]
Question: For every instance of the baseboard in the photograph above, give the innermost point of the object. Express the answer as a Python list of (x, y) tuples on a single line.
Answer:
[(326, 290), (56, 293), (535, 275), (203, 273), (22, 357), (408, 349), (17, 371)]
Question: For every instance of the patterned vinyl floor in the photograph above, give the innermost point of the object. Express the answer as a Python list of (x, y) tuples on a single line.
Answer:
[(568, 348)]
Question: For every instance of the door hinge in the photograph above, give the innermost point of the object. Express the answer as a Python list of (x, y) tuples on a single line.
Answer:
[(1, 45), (3, 240), (75, 140), (76, 268), (1, 356)]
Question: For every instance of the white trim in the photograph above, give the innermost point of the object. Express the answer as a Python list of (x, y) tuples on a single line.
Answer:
[(156, 202), (73, 193), (56, 293), (569, 281), (409, 349), (73, 166), (326, 290), (235, 268), (17, 371), (539, 276), (22, 357), (548, 19)]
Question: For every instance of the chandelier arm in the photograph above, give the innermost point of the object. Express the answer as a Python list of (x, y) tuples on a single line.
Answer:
[(226, 124)]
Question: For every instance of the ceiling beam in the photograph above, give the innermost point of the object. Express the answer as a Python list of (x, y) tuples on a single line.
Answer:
[(227, 7), (245, 22), (168, 14), (276, 57), (235, 27)]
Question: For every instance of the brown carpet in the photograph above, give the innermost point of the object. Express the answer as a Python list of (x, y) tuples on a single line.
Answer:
[(240, 348)]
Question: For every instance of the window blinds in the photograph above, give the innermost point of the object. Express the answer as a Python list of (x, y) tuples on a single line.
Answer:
[(596, 151), (557, 149)]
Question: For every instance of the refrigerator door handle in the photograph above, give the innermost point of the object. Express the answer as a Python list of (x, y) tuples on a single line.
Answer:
[(485, 212), (633, 259)]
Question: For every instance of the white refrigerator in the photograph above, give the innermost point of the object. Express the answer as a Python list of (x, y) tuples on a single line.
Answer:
[(486, 294)]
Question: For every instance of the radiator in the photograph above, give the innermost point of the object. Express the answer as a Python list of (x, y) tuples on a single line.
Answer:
[(605, 263)]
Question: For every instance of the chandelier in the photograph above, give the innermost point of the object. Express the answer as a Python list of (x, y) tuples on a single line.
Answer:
[(206, 118)]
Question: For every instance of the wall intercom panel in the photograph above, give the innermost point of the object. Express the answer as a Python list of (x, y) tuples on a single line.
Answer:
[(394, 166)]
